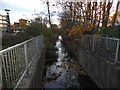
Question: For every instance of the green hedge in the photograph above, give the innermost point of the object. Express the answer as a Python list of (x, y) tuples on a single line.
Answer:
[(111, 31)]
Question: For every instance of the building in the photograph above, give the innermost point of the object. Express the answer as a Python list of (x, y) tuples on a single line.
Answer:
[(21, 25), (24, 22), (16, 25), (3, 22)]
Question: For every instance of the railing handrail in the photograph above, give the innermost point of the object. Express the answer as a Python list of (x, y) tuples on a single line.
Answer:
[(110, 46), (15, 46), (103, 37), (17, 59)]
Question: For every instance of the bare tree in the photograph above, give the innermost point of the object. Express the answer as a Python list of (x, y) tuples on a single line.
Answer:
[(116, 12)]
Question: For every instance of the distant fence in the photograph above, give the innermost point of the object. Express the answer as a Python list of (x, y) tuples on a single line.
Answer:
[(15, 61), (109, 47)]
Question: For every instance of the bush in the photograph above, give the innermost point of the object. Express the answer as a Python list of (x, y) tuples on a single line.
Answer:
[(10, 40), (34, 30), (37, 29), (49, 37), (112, 31)]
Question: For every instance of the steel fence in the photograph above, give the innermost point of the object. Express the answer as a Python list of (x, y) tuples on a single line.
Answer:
[(15, 61), (109, 47)]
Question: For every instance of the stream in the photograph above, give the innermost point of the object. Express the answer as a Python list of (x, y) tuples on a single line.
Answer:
[(66, 72)]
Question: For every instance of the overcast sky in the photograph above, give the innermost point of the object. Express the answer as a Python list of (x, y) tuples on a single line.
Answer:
[(26, 9)]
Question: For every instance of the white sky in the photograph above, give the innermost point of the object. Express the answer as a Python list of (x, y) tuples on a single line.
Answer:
[(26, 8)]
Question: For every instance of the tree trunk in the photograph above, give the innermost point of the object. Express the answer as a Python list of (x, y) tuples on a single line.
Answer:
[(115, 15), (49, 13)]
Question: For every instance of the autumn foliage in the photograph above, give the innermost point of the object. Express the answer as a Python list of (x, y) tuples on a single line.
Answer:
[(79, 17)]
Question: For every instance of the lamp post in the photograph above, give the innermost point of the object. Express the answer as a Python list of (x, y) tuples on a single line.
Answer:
[(8, 19)]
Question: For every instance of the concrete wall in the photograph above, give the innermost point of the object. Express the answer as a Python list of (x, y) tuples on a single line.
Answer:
[(105, 72), (34, 78)]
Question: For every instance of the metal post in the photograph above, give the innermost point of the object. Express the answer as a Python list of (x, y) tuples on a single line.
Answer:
[(82, 41), (1, 83), (42, 41), (93, 43), (117, 49), (26, 57), (36, 44), (106, 41), (8, 19)]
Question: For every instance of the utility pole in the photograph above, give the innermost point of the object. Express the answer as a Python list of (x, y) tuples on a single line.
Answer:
[(48, 6), (8, 19)]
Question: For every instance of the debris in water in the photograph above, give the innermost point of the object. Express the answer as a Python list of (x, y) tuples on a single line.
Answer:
[(52, 77)]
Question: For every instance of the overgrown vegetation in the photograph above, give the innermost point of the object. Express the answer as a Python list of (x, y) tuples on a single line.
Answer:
[(49, 37), (34, 30), (10, 39), (80, 18)]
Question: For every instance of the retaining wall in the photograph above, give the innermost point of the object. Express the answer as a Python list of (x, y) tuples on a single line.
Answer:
[(34, 78), (105, 72)]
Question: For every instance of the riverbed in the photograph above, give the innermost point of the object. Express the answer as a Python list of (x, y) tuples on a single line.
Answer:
[(65, 72)]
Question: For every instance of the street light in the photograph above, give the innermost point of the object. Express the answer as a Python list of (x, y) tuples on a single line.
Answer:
[(8, 19), (7, 11)]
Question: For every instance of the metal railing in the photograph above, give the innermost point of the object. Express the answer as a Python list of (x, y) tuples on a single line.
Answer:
[(109, 47), (15, 61)]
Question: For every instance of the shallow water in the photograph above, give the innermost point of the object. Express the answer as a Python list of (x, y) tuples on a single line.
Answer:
[(66, 72)]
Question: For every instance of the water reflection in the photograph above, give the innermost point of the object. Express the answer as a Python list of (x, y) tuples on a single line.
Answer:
[(60, 37), (66, 72)]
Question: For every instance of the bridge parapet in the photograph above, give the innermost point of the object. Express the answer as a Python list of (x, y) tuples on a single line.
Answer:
[(100, 57), (15, 61), (105, 46)]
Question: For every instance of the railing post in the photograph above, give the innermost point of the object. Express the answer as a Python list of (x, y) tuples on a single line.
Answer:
[(106, 41), (82, 40), (117, 49), (41, 40), (36, 44), (1, 83), (93, 42), (26, 57)]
